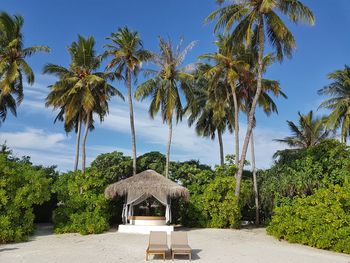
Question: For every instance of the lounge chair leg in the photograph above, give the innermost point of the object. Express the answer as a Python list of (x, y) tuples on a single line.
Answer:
[(164, 256), (190, 256), (172, 256)]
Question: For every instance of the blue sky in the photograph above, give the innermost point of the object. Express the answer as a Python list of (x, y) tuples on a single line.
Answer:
[(320, 49)]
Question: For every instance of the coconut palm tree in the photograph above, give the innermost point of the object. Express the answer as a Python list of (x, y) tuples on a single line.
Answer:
[(80, 91), (127, 54), (339, 102), (164, 88), (226, 68), (310, 131), (256, 21), (13, 64), (246, 91), (209, 109)]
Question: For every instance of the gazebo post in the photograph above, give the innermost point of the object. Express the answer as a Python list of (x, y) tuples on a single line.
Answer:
[(125, 211)]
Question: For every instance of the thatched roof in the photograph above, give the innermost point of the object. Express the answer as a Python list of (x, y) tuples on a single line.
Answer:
[(147, 182)]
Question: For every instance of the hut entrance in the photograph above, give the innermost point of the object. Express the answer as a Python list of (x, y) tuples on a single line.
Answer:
[(150, 207)]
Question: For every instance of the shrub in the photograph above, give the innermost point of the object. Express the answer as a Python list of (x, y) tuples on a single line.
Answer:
[(21, 186), (320, 220), (302, 172), (220, 203), (213, 202), (82, 205), (114, 166), (152, 160), (192, 214)]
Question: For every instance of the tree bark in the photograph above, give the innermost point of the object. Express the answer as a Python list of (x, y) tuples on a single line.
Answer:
[(77, 145), (168, 149), (253, 108), (235, 104), (86, 131), (221, 144), (132, 125), (255, 183)]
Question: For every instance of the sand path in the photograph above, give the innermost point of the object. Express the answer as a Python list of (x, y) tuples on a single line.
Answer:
[(210, 246)]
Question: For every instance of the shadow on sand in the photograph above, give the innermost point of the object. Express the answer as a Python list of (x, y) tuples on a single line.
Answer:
[(195, 256), (7, 249)]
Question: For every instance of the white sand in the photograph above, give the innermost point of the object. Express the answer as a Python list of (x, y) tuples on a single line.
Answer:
[(210, 245)]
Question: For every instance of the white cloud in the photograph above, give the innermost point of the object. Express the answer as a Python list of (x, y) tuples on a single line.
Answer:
[(43, 147), (48, 148), (33, 139), (186, 144)]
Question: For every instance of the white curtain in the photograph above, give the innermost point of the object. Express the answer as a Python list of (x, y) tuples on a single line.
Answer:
[(128, 207), (163, 199), (132, 200)]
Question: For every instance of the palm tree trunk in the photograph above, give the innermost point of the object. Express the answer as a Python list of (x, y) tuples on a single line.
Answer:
[(252, 109), (235, 104), (84, 142), (168, 149), (77, 144), (255, 183), (221, 144), (132, 125)]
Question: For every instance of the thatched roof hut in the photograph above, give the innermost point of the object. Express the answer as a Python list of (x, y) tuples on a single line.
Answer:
[(148, 182)]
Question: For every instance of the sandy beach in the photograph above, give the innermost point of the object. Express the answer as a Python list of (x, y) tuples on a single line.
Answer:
[(209, 245)]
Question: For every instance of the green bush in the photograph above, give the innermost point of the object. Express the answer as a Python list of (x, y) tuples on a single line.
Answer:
[(82, 205), (320, 220), (152, 160), (220, 203), (21, 187), (301, 172), (212, 202), (114, 166)]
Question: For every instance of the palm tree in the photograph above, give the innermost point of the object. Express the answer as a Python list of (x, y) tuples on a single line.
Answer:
[(169, 80), (246, 91), (80, 91), (255, 20), (339, 101), (310, 131), (209, 109), (127, 54), (13, 64), (226, 68)]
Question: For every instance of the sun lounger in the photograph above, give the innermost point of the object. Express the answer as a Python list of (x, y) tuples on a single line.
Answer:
[(179, 244), (157, 244)]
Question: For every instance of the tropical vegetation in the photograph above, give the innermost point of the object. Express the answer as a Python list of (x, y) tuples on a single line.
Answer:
[(320, 220), (339, 102), (127, 54), (169, 81), (13, 63), (300, 172), (309, 132), (253, 22), (22, 186), (80, 92), (303, 197)]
